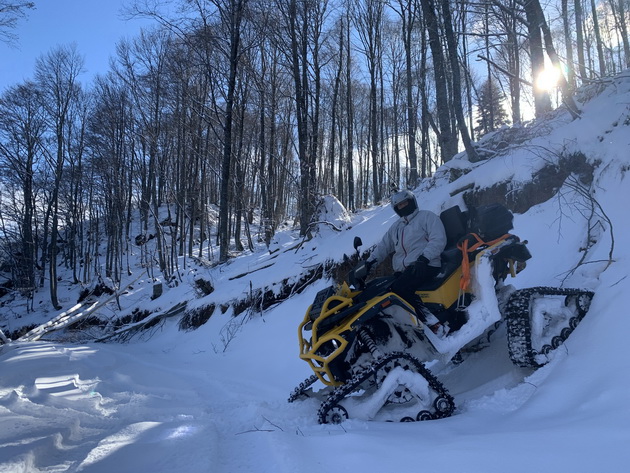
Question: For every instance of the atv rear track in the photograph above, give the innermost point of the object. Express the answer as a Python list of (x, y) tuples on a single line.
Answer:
[(526, 346)]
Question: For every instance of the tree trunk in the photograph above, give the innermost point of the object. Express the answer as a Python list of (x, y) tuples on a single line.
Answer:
[(350, 122), (579, 35), (598, 40), (334, 112), (54, 228), (408, 16), (567, 94), (623, 26), (568, 40), (235, 15), (542, 101), (457, 83), (446, 137)]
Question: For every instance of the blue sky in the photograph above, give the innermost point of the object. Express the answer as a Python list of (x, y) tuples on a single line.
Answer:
[(94, 25)]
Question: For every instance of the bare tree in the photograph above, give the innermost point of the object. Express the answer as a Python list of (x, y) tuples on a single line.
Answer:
[(56, 74), (579, 35), (141, 65), (231, 12), (111, 166), (369, 23), (598, 40), (22, 126), (447, 137), (453, 56), (350, 123), (619, 11), (396, 110), (11, 12), (334, 144), (301, 33), (409, 13), (568, 40)]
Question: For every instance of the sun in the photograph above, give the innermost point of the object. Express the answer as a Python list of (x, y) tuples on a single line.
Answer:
[(548, 78)]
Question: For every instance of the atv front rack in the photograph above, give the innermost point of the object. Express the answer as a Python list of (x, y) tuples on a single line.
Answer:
[(344, 313)]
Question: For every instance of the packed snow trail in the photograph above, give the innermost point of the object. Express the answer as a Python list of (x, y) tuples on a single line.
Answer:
[(98, 404)]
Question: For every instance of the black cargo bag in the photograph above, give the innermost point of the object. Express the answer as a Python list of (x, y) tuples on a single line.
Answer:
[(491, 221)]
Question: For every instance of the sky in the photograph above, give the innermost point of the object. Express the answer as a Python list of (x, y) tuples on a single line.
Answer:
[(94, 25)]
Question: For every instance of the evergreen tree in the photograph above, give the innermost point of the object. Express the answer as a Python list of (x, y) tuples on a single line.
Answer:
[(490, 111)]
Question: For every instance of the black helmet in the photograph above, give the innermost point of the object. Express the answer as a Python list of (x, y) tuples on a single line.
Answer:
[(404, 203)]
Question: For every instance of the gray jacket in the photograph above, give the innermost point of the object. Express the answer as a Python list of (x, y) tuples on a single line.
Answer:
[(419, 234)]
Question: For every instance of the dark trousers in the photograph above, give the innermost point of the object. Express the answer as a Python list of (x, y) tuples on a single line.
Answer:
[(406, 286)]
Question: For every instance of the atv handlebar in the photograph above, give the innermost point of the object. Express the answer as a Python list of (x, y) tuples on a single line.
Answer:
[(358, 275)]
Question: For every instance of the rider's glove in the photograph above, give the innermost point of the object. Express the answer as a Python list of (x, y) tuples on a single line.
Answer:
[(419, 268)]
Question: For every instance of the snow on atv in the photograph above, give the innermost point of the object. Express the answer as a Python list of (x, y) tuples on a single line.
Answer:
[(373, 353)]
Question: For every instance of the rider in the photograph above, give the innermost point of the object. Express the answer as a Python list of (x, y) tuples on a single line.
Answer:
[(416, 241)]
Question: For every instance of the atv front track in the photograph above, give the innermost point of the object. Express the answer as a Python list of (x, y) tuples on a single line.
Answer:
[(300, 390), (443, 405)]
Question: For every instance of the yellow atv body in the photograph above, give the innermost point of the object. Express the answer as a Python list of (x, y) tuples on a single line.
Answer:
[(332, 321), (372, 351)]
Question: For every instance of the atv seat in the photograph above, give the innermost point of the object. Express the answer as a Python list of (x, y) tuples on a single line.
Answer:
[(455, 225), (451, 260)]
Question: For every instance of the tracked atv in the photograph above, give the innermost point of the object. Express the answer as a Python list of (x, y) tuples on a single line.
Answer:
[(374, 354)]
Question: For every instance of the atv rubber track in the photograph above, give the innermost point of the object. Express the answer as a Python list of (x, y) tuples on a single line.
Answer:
[(300, 390), (447, 403), (519, 331)]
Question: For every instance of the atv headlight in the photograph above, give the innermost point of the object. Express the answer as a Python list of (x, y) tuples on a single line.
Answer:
[(328, 348)]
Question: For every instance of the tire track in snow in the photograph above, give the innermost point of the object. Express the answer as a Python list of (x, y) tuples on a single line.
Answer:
[(85, 416)]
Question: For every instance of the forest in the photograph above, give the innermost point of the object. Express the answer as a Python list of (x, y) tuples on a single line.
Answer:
[(228, 112)]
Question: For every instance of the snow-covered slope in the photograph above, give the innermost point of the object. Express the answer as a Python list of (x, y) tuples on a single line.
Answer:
[(214, 399)]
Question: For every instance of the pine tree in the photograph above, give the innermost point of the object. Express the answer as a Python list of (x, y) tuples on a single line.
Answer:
[(490, 111)]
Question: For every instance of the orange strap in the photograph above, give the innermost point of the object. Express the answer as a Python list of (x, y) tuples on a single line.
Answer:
[(464, 282)]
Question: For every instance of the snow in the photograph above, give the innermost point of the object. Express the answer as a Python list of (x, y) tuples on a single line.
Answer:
[(215, 399), (482, 313), (369, 407)]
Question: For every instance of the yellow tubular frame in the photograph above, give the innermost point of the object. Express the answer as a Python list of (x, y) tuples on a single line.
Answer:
[(308, 350)]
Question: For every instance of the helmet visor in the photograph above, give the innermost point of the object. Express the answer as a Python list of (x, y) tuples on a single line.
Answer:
[(404, 207)]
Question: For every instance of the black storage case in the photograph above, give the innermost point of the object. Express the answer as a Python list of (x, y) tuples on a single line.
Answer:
[(491, 221)]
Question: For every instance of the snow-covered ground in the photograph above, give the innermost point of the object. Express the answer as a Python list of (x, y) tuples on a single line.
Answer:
[(215, 399)]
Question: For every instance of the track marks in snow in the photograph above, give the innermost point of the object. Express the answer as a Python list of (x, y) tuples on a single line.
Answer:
[(66, 416)]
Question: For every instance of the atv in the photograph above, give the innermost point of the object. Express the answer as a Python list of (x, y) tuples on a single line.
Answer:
[(375, 354)]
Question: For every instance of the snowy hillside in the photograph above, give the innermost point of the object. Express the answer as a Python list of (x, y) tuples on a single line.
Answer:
[(214, 399)]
